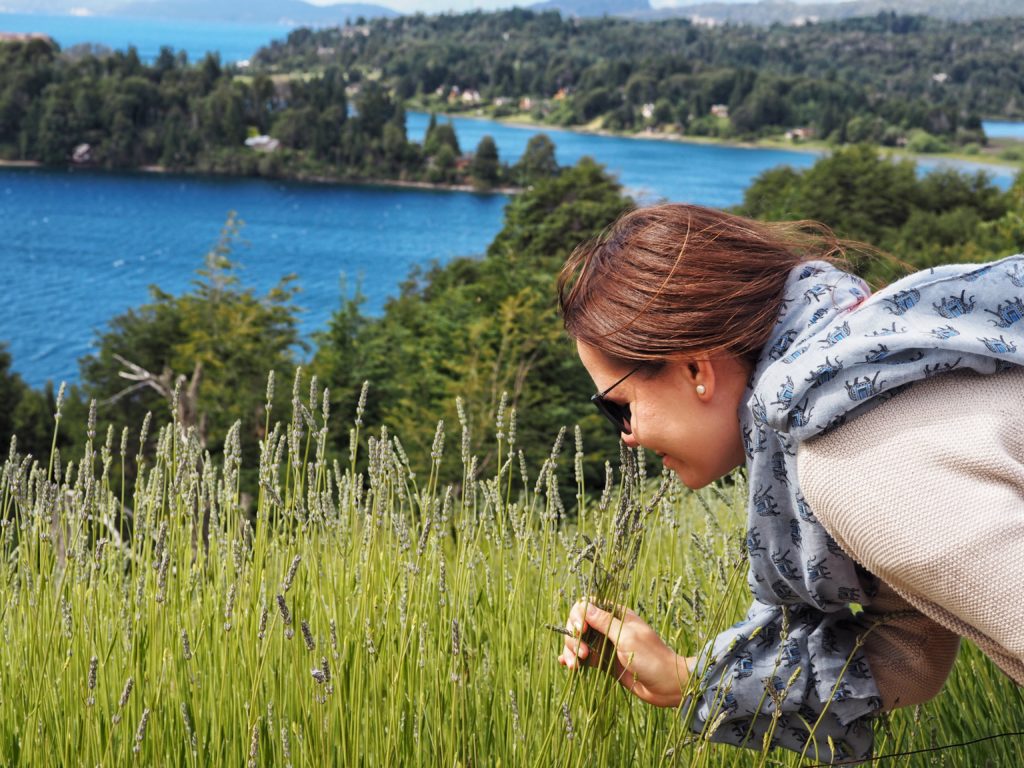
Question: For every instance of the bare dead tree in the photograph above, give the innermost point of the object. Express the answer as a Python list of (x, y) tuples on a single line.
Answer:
[(165, 385)]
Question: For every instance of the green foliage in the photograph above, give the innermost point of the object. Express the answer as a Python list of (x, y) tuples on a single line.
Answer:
[(198, 117), (485, 168), (1007, 231), (880, 79), (855, 191), (475, 328), (440, 135), (942, 217), (213, 344), (921, 141), (443, 165), (1014, 154), (25, 413), (537, 161)]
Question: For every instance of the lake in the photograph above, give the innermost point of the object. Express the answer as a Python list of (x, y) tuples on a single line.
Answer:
[(82, 247), (1003, 129), (233, 41), (649, 169)]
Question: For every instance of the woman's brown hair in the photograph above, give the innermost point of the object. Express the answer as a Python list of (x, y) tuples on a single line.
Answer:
[(672, 282)]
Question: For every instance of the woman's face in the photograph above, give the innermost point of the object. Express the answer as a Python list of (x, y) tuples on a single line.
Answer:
[(696, 433)]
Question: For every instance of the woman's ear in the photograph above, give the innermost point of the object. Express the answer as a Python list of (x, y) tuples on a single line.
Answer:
[(702, 377)]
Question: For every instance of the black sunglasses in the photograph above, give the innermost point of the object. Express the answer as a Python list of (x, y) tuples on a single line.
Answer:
[(616, 413)]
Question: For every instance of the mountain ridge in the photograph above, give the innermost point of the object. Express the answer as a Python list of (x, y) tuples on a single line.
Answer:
[(299, 12), (767, 12), (290, 12), (295, 12)]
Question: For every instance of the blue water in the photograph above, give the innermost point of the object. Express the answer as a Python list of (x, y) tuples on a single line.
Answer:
[(234, 41), (659, 169), (80, 248), (1003, 129), (650, 169)]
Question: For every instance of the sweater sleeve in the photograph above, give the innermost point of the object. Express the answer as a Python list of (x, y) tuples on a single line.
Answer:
[(909, 655), (927, 492)]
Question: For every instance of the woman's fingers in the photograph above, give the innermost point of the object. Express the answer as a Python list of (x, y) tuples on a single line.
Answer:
[(573, 647), (577, 618), (604, 622), (626, 647), (584, 616)]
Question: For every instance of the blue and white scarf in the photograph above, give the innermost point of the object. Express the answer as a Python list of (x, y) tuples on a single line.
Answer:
[(837, 351)]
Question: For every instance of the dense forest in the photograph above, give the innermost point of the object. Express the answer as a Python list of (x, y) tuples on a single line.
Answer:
[(113, 111), (887, 79), (472, 328), (332, 102)]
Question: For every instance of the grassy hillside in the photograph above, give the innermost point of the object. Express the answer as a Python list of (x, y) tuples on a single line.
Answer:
[(378, 620)]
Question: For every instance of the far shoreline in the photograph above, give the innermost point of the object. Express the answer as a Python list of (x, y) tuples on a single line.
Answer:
[(159, 170), (960, 161), (814, 147)]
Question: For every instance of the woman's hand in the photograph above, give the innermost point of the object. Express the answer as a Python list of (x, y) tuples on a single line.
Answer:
[(640, 660)]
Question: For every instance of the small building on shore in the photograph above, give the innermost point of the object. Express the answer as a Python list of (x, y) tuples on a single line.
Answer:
[(82, 154), (262, 143), (799, 134)]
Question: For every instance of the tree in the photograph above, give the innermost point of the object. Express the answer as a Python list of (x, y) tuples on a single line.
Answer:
[(261, 102), (296, 128), (217, 343), (223, 116), (595, 103), (339, 350), (197, 118), (24, 412), (942, 217), (56, 129), (439, 136), (374, 108), (855, 191), (485, 167), (398, 152), (443, 165), (537, 162), (478, 327), (765, 106)]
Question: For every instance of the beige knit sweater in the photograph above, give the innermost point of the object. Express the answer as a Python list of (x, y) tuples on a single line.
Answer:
[(926, 491)]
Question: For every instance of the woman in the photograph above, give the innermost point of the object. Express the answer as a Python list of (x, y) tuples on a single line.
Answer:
[(716, 341)]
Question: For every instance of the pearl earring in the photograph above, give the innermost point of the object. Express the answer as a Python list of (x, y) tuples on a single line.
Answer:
[(701, 389)]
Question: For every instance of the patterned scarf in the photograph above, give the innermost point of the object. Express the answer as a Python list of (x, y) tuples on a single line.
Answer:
[(835, 354)]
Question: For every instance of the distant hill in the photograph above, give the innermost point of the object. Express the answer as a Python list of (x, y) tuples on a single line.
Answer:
[(784, 12), (254, 11), (588, 8)]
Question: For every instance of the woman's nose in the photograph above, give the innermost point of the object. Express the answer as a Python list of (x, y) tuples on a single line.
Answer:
[(629, 439)]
